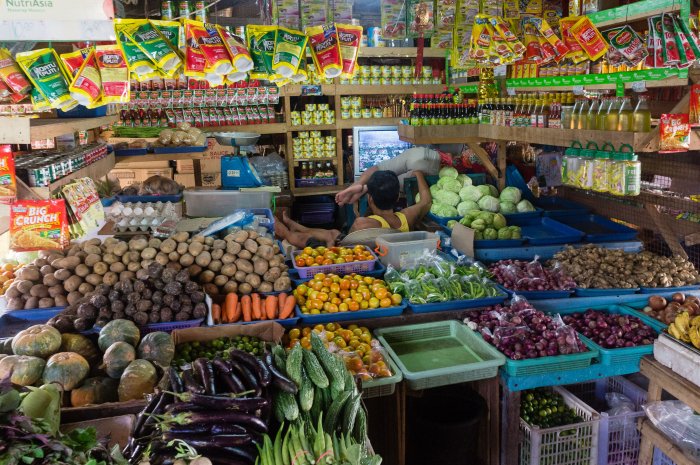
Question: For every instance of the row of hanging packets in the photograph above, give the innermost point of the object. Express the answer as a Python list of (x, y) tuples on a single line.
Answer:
[(493, 43), (444, 23), (466, 11), (671, 43)]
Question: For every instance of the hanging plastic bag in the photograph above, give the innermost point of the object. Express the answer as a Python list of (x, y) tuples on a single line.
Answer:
[(677, 421)]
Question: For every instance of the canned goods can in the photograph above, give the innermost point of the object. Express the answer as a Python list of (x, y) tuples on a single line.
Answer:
[(345, 113), (315, 134), (356, 102), (375, 71), (363, 71), (311, 107), (396, 71), (375, 81), (427, 71), (345, 102), (364, 81), (406, 81), (303, 134), (406, 71), (426, 80), (330, 139), (395, 81), (377, 113), (329, 114), (356, 113), (386, 71), (344, 80), (323, 107), (366, 112)]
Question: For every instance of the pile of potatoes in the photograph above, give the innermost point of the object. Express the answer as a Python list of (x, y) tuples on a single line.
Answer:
[(58, 279), (242, 262)]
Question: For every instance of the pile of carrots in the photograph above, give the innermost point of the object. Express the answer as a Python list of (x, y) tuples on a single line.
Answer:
[(253, 307)]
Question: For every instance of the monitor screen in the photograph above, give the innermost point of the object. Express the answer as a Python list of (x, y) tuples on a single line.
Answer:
[(374, 144)]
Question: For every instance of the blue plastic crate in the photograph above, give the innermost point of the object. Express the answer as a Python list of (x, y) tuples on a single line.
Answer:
[(130, 152), (490, 243), (659, 326), (539, 295), (108, 201), (523, 215), (184, 149), (546, 231), (377, 272), (580, 292), (287, 322), (658, 290), (350, 316), (457, 304), (597, 228), (442, 220), (82, 111), (150, 198), (34, 314), (166, 327), (557, 206)]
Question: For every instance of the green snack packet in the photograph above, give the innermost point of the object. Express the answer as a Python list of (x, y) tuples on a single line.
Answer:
[(151, 42), (261, 43), (46, 75)]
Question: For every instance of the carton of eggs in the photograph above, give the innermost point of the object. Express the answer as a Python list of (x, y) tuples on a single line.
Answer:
[(139, 216)]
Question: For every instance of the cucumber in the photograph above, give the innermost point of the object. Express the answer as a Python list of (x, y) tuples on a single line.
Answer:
[(359, 430), (294, 364), (288, 405), (350, 413), (334, 410), (280, 357), (329, 363), (314, 369), (306, 394)]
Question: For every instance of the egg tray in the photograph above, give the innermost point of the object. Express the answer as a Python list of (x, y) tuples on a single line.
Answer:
[(139, 216)]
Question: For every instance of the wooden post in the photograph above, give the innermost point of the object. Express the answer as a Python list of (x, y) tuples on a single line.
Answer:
[(510, 426), (485, 159), (665, 230), (501, 161)]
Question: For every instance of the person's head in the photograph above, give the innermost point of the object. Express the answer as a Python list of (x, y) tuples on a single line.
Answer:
[(383, 190)]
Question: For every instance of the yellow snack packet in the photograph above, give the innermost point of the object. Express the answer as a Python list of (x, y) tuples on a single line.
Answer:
[(151, 42), (46, 75)]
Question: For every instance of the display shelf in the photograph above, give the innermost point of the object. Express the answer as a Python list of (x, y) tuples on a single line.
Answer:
[(400, 52), (627, 14), (24, 130), (264, 128), (313, 127), (318, 190), (360, 89), (351, 123), (663, 443), (663, 77), (161, 157), (295, 90), (95, 171), (313, 159), (444, 134), (675, 203)]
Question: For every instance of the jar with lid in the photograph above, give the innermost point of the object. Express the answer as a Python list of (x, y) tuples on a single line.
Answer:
[(624, 173), (570, 164), (601, 166), (588, 156)]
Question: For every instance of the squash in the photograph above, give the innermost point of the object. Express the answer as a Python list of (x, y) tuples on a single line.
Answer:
[(95, 391), (138, 379), (117, 357), (67, 369), (6, 346), (157, 347), (37, 341), (25, 369), (118, 331), (80, 345)]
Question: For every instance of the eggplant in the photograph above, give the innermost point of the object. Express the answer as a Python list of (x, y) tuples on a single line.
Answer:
[(278, 378), (223, 440), (228, 429), (190, 429), (190, 383), (221, 365), (143, 415), (247, 377), (228, 416), (179, 407), (206, 374), (251, 362), (249, 404), (176, 384), (232, 383)]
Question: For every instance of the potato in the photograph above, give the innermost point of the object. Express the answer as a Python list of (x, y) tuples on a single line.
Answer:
[(30, 273), (220, 280), (32, 302), (229, 269), (94, 241), (94, 279), (82, 270), (245, 288), (228, 258), (195, 248), (211, 289), (219, 244), (251, 246), (81, 255), (110, 278), (110, 241), (133, 267), (162, 258), (272, 275), (216, 254), (68, 263), (240, 276), (265, 287), (206, 276), (265, 241), (209, 241), (15, 303), (168, 246), (74, 297), (182, 248), (12, 292), (49, 280), (138, 245), (198, 238), (253, 280), (101, 267), (174, 257), (148, 253), (60, 301), (116, 267), (23, 286), (260, 266), (203, 259), (62, 274), (244, 265), (90, 249), (240, 236), (282, 284), (46, 302), (110, 258), (266, 252), (134, 256), (194, 270), (231, 286), (40, 262), (47, 269), (181, 236), (145, 264), (186, 260), (56, 291), (127, 275), (120, 249), (233, 248), (71, 284), (39, 290), (275, 261), (86, 288)]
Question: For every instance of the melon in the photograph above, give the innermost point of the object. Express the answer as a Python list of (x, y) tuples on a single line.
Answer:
[(80, 345), (118, 331), (138, 379), (95, 391), (37, 341), (67, 369), (25, 369), (157, 347), (117, 357)]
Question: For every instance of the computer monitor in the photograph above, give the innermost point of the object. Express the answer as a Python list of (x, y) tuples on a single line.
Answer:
[(374, 144)]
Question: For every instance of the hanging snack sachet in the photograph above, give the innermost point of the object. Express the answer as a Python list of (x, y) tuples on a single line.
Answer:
[(151, 42), (114, 73), (46, 75), (240, 56), (674, 133), (589, 38), (86, 87), (11, 75), (325, 50), (38, 225), (349, 39), (261, 45)]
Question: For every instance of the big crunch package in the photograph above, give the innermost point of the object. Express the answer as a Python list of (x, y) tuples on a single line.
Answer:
[(38, 225), (114, 73), (86, 86), (8, 183), (11, 75), (349, 38), (46, 75), (151, 42), (325, 49), (674, 132), (261, 44)]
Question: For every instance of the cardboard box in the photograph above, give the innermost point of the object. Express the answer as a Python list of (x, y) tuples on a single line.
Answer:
[(127, 177), (184, 166), (211, 173), (186, 180), (143, 165), (265, 330), (215, 150)]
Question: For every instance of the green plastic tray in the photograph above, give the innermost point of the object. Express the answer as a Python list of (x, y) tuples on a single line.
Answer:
[(379, 387), (553, 364), (447, 352)]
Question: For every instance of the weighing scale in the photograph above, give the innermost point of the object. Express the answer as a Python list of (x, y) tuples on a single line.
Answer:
[(236, 170)]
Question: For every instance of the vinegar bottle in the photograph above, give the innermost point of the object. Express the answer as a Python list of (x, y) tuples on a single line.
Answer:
[(582, 119), (642, 116), (612, 117), (625, 120), (592, 115), (573, 121), (603, 113)]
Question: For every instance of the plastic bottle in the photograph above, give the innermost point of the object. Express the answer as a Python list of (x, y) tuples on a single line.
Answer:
[(567, 109), (625, 119), (642, 116), (603, 109), (582, 119), (588, 157), (570, 165), (601, 171), (612, 117), (592, 115)]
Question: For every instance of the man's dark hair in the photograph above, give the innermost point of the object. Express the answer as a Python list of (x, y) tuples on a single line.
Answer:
[(384, 188)]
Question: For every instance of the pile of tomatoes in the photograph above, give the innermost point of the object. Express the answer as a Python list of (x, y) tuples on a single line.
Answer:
[(7, 275), (329, 293), (362, 354), (332, 256)]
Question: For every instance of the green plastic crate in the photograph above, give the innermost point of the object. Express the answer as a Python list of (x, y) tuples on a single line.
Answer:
[(379, 387), (552, 364), (410, 185), (440, 353)]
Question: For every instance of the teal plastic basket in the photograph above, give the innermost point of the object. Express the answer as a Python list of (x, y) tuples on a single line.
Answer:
[(446, 352), (552, 364), (379, 387)]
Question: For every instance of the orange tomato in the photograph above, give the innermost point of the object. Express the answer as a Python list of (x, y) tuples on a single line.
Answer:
[(343, 307), (322, 296), (354, 306), (306, 331), (327, 261), (354, 284), (396, 299), (380, 293), (344, 294), (374, 302), (317, 285), (332, 308), (327, 282), (385, 302), (364, 305), (309, 261), (300, 262), (335, 288), (294, 333), (345, 283), (319, 260)]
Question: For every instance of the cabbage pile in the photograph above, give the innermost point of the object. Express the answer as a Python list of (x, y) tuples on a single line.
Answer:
[(447, 201), (488, 225)]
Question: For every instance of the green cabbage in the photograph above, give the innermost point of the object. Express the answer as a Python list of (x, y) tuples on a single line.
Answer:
[(484, 189), (451, 224), (515, 232), (510, 194), (445, 211), (490, 234), (466, 221), (505, 233), (449, 184), (465, 180), (470, 193), (493, 192), (434, 189), (448, 172), (478, 225), (508, 207), (525, 206), (448, 198), (489, 203), (499, 221), (486, 216), (478, 235), (465, 206), (473, 214)]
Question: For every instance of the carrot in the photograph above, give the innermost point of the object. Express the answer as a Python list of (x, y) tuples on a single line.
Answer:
[(216, 313), (257, 307), (246, 303), (237, 315), (289, 304), (230, 306), (282, 298), (271, 307)]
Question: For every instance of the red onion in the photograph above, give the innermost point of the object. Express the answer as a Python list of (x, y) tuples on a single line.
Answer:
[(611, 330), (519, 275)]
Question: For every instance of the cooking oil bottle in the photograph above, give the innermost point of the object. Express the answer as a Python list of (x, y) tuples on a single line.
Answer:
[(592, 115), (582, 119), (603, 110), (642, 115), (625, 120), (613, 116)]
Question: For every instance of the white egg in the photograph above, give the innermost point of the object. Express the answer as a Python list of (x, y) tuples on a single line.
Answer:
[(116, 210), (155, 222), (123, 222), (127, 211), (138, 211), (149, 211)]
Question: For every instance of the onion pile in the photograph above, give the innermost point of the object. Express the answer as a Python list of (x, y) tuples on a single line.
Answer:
[(666, 312), (611, 330), (522, 332), (519, 275)]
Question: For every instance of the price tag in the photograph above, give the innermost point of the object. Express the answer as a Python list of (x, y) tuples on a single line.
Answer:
[(620, 89), (499, 71), (311, 90), (510, 90), (639, 86), (578, 90)]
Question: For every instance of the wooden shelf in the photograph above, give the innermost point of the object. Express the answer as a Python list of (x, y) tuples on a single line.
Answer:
[(674, 203), (621, 15), (24, 130), (320, 190), (421, 135), (313, 159), (161, 157), (359, 89), (294, 90), (95, 171), (264, 128), (660, 440), (313, 127), (400, 52), (667, 82), (351, 123)]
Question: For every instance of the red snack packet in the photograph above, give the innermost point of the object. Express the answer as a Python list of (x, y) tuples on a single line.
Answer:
[(670, 53), (11, 74), (8, 183), (674, 132), (576, 53), (694, 106), (628, 43), (114, 73), (653, 52), (195, 62), (688, 55), (38, 225), (589, 38), (614, 57)]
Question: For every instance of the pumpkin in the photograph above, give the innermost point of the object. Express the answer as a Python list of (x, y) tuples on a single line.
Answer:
[(6, 346), (37, 341), (117, 357), (138, 379), (80, 345), (95, 391), (157, 347), (67, 369), (25, 369), (118, 331)]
